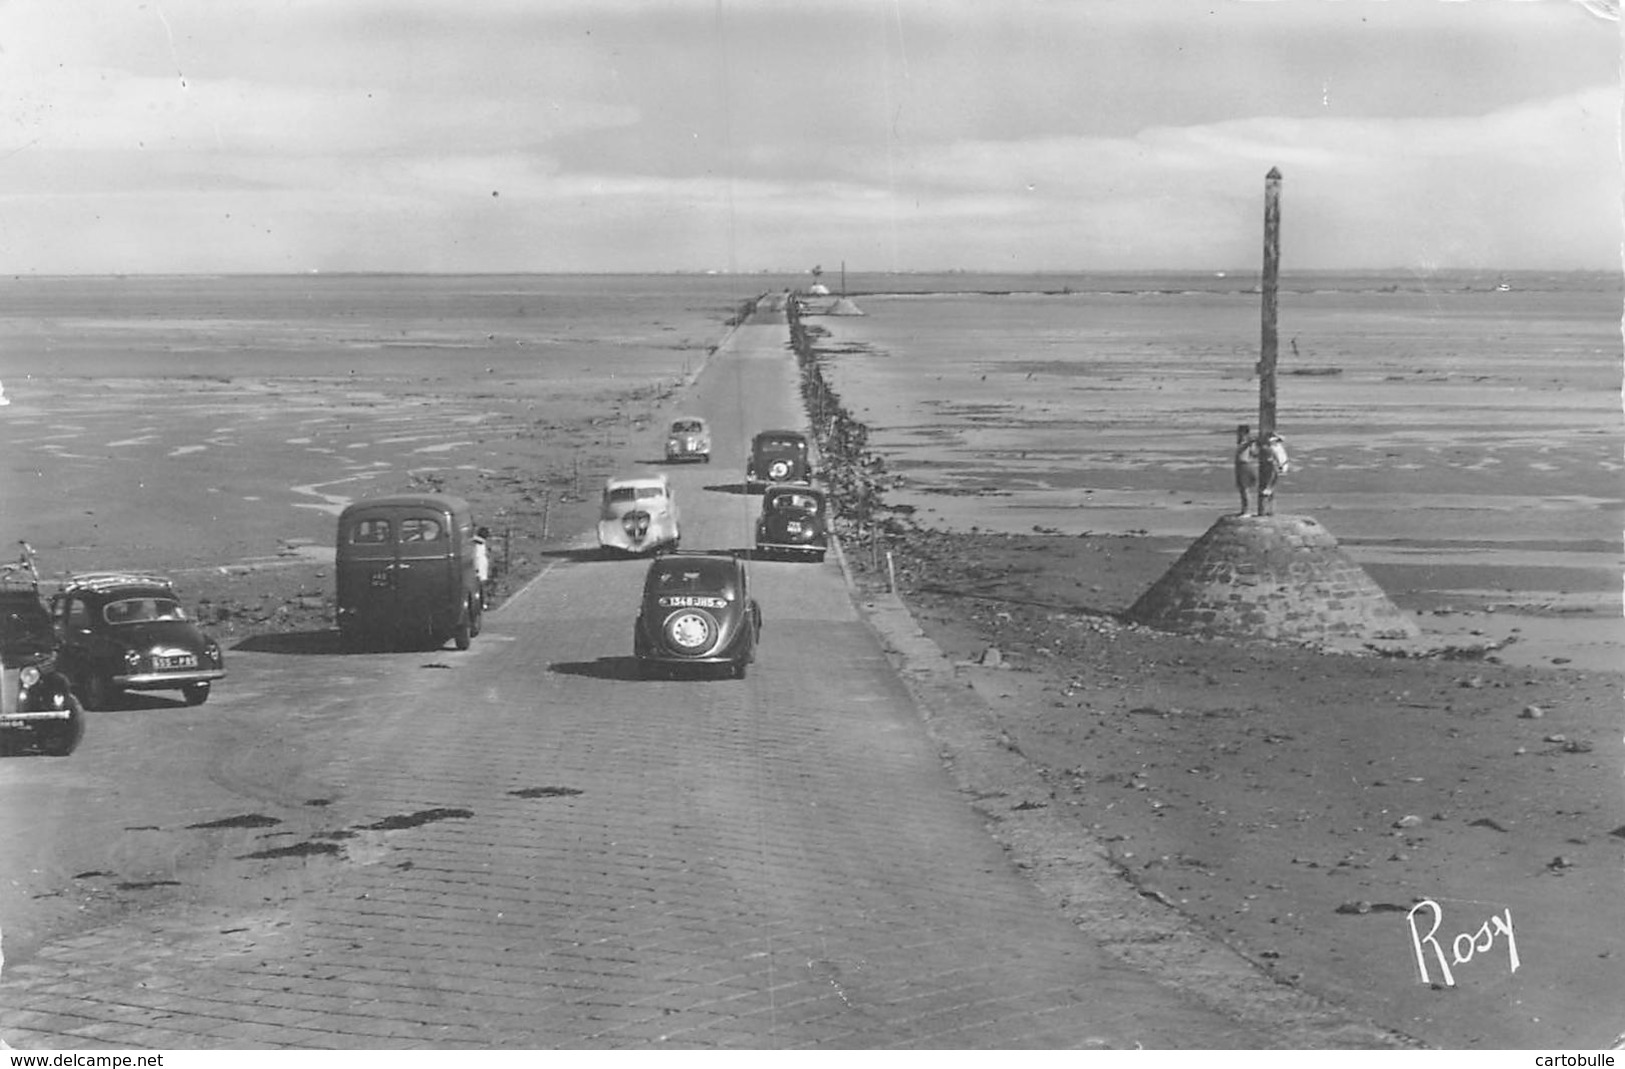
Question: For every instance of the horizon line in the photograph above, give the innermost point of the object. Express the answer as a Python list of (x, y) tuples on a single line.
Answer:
[(706, 273)]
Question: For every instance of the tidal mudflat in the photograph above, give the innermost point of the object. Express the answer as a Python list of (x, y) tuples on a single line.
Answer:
[(211, 428), (1461, 441)]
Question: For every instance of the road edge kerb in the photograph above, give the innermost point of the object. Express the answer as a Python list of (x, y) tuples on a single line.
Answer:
[(1073, 871)]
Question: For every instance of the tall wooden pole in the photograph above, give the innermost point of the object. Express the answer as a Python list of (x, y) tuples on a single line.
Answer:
[(1270, 343)]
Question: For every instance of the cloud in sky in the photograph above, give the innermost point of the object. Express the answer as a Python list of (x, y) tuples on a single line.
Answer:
[(615, 135)]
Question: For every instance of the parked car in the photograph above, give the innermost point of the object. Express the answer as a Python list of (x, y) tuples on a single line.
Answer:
[(778, 457), (794, 521), (406, 573), (638, 515), (123, 631), (696, 610), (38, 709), (688, 439)]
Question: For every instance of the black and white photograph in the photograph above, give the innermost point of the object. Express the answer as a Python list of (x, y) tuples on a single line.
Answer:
[(873, 525)]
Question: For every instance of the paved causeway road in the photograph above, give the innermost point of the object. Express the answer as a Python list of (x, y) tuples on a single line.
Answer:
[(524, 845)]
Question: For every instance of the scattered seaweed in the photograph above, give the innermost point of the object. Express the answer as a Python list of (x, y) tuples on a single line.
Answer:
[(304, 849), (246, 820), (418, 819)]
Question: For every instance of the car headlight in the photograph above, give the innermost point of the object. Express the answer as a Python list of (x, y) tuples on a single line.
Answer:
[(211, 651), (132, 658), (28, 676)]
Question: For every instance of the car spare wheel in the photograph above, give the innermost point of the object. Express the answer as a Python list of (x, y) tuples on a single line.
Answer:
[(691, 631)]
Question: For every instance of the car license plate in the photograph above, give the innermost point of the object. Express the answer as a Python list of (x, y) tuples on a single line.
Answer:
[(182, 660)]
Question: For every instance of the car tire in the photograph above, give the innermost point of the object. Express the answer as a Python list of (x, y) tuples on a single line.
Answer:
[(739, 668), (462, 636), (99, 692), (195, 693), (355, 640), (62, 740), (476, 617)]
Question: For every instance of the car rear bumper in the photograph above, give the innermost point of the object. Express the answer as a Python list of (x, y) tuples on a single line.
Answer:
[(167, 680), (714, 658), (791, 547)]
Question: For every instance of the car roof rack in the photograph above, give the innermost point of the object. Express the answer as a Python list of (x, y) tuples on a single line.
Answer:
[(107, 580), (18, 577), (21, 574)]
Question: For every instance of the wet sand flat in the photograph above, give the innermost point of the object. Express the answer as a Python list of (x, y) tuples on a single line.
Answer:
[(195, 425), (1463, 444)]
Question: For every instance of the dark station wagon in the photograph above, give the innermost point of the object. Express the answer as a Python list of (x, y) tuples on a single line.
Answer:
[(696, 611), (406, 573), (124, 631)]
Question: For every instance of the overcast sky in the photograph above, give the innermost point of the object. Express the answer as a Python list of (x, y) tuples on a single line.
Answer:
[(618, 135)]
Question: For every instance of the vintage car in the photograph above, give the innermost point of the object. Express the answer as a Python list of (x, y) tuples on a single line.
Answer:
[(688, 439), (696, 611), (778, 457), (794, 521), (38, 709), (408, 572), (124, 631), (639, 515)]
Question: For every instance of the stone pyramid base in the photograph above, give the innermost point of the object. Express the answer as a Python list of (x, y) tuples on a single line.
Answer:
[(1271, 577)]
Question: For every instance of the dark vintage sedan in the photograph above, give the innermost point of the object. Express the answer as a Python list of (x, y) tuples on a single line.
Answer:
[(696, 611), (778, 457), (38, 710), (794, 522), (123, 632)]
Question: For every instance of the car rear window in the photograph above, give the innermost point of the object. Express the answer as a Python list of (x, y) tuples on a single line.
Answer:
[(635, 493), (142, 610), (710, 577), (371, 532), (417, 529)]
